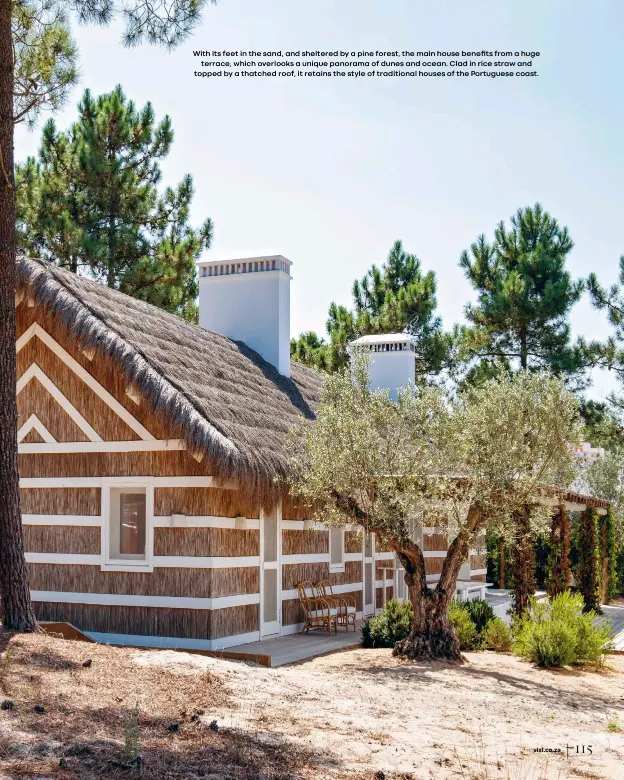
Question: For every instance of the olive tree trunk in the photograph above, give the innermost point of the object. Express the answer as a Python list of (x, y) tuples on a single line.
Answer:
[(17, 612), (432, 636)]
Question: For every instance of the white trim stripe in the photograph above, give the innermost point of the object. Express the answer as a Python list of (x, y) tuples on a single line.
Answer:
[(158, 482), (159, 561), (34, 372), (347, 587), (34, 423), (83, 520), (305, 558), (55, 447), (36, 330), (205, 562), (173, 643), (165, 521), (135, 600)]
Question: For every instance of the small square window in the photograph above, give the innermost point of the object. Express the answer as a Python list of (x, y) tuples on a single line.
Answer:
[(128, 537)]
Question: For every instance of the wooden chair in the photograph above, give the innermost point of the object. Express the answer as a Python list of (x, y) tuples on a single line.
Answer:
[(318, 611), (346, 607)]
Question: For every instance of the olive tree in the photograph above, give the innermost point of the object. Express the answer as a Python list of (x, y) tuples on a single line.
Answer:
[(459, 464)]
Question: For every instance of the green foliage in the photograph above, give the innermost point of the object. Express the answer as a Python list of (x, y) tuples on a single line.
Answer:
[(497, 636), (390, 627), (525, 295), (559, 576), (603, 423), (587, 570), (464, 626), (394, 298), (481, 613), (91, 204), (132, 738), (559, 632), (45, 58)]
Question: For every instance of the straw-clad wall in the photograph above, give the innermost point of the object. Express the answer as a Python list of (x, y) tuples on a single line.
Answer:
[(205, 541), (292, 613), (97, 413), (478, 577), (433, 565), (379, 600), (191, 583), (435, 542), (103, 370), (62, 539), (203, 502), (33, 437), (478, 561), (293, 573), (299, 542), (35, 399), (292, 509), (353, 542), (154, 621), (111, 464), (61, 501)]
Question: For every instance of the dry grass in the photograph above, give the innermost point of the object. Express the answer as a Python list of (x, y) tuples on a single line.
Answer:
[(91, 714)]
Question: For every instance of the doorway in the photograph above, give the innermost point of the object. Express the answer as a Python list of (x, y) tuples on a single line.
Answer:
[(270, 573), (369, 571)]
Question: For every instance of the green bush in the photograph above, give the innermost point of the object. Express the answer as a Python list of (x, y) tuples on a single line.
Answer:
[(464, 626), (497, 636), (391, 626), (556, 632), (481, 613)]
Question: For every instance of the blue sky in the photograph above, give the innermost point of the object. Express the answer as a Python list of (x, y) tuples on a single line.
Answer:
[(331, 172)]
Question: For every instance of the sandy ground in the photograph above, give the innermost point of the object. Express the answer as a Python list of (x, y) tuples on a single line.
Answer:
[(359, 714), (365, 710)]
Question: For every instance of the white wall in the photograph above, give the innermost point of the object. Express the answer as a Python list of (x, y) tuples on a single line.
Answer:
[(391, 371), (252, 307)]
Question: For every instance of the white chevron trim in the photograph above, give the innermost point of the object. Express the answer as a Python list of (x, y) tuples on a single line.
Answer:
[(34, 372), (34, 423), (36, 330)]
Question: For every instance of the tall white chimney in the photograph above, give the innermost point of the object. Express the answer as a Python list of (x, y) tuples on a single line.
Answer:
[(248, 299), (392, 360)]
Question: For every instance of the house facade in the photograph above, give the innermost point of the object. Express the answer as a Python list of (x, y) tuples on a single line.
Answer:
[(149, 450)]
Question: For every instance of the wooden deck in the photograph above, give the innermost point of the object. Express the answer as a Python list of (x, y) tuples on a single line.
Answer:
[(615, 613), (293, 648)]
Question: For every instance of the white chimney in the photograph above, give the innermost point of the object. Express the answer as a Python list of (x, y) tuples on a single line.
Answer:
[(392, 360), (248, 299)]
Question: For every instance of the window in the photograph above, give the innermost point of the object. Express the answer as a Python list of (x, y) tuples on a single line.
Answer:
[(128, 537), (336, 549)]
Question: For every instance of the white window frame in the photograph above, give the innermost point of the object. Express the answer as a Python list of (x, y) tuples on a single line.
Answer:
[(114, 564), (336, 567)]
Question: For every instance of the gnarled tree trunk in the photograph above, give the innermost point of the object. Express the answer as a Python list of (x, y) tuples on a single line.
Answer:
[(432, 636), (17, 611)]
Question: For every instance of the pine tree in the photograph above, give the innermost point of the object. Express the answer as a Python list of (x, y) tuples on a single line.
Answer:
[(397, 297), (165, 24), (91, 203), (525, 294)]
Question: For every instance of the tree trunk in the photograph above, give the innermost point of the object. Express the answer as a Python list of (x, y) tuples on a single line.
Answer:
[(560, 577), (432, 636), (604, 555), (17, 612), (523, 562), (502, 572)]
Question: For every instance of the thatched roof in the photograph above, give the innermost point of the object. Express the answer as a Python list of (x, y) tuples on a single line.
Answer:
[(228, 402)]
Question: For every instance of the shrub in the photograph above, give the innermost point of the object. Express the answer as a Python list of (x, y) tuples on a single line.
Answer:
[(481, 613), (391, 626), (464, 626), (497, 636), (557, 632)]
